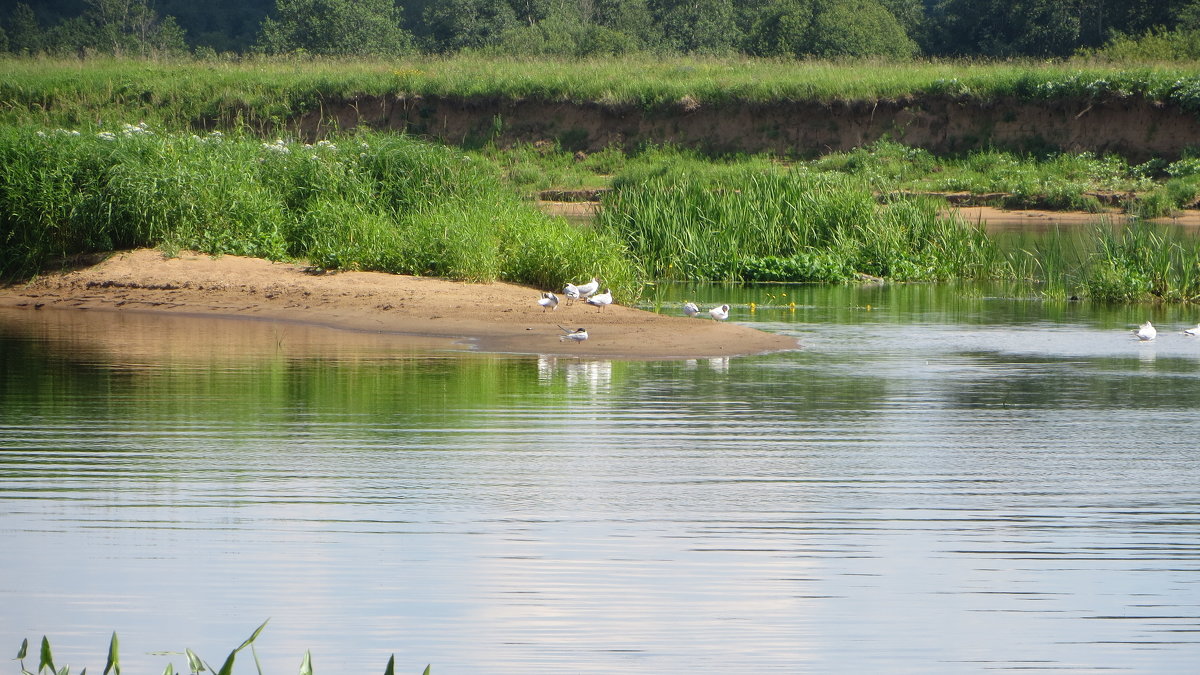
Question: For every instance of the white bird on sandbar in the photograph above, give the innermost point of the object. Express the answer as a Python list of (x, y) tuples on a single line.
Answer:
[(601, 299), (548, 301), (719, 313), (571, 291), (577, 335), (586, 290), (1194, 332), (1146, 332), (690, 309)]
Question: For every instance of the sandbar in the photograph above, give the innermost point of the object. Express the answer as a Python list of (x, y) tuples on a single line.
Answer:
[(493, 317)]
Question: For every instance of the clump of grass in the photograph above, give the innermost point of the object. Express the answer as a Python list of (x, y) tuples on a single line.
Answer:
[(1143, 263), (373, 202), (763, 222)]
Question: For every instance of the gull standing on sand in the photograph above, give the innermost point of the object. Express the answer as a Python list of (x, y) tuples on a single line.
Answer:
[(690, 309), (571, 291), (548, 301), (1194, 332), (577, 335), (586, 290), (601, 299), (1146, 332), (719, 313)]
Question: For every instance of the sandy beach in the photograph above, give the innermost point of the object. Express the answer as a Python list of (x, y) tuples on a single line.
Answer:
[(495, 317)]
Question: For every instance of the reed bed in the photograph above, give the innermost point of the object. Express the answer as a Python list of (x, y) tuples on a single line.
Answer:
[(750, 223), (1143, 262), (372, 202)]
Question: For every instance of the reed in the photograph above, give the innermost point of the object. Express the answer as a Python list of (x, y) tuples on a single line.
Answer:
[(1143, 263), (373, 202), (753, 222)]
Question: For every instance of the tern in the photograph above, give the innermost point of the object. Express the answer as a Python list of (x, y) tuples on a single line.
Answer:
[(586, 290), (719, 313), (577, 335), (1146, 332), (548, 301), (601, 299), (1194, 332), (690, 309)]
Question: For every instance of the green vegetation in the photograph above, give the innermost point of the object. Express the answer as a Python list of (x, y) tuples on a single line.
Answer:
[(375, 202), (196, 664), (268, 94), (786, 28), (743, 223)]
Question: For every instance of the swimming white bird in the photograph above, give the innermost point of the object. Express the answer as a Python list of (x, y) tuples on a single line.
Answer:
[(690, 309), (571, 291), (719, 313), (548, 301), (1194, 332), (577, 335), (601, 299), (1146, 332), (586, 290)]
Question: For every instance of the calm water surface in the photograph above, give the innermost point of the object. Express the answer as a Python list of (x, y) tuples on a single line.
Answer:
[(942, 481)]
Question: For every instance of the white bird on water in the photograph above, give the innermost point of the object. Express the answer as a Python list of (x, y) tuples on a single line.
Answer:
[(601, 299), (1194, 332), (690, 309), (577, 335), (1146, 332), (586, 290), (719, 313)]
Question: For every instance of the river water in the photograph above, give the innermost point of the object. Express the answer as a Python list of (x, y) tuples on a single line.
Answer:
[(943, 480)]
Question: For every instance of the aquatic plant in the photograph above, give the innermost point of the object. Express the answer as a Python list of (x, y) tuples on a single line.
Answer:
[(195, 666), (1143, 263), (763, 222)]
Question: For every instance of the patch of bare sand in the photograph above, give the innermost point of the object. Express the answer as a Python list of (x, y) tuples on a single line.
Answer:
[(496, 317)]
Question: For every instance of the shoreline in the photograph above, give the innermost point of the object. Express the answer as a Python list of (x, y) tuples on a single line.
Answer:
[(497, 317)]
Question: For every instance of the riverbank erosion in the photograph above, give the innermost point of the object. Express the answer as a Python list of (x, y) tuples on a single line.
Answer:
[(496, 317), (1137, 128)]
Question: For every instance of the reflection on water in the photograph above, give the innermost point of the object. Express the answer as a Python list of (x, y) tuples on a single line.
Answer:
[(943, 480)]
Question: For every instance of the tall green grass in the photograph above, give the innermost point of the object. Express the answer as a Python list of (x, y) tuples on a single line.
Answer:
[(1143, 263), (373, 202), (764, 223)]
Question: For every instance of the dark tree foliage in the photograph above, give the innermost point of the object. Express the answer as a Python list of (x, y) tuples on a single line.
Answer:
[(335, 28), (806, 28)]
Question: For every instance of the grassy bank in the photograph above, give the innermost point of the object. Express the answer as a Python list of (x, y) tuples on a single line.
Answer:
[(265, 93), (374, 202)]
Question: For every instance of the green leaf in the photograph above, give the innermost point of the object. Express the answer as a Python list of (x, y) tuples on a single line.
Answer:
[(46, 660), (194, 663), (169, 670), (306, 664), (24, 649), (252, 637), (114, 662), (427, 667), (391, 666), (227, 667)]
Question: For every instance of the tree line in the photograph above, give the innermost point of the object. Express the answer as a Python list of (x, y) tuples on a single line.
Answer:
[(577, 28)]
